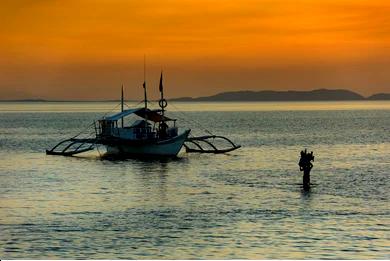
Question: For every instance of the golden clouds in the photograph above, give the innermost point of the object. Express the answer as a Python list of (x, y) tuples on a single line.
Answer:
[(121, 30), (252, 33)]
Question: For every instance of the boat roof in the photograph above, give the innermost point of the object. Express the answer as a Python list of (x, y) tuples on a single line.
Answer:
[(120, 115), (147, 114), (152, 115)]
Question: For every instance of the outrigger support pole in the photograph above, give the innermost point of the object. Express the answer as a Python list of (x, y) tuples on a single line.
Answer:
[(212, 148), (72, 146)]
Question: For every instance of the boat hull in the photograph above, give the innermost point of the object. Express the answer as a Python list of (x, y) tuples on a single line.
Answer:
[(165, 148)]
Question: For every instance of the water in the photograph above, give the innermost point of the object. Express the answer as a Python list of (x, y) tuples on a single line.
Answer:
[(246, 204)]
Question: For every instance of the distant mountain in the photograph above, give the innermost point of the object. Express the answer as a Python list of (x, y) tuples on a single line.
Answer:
[(380, 96), (315, 95), (25, 100), (42, 100)]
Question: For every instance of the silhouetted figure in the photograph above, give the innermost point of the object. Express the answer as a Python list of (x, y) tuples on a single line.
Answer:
[(163, 130), (306, 166)]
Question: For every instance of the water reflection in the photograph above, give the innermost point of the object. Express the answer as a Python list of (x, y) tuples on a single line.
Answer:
[(244, 205), (306, 194)]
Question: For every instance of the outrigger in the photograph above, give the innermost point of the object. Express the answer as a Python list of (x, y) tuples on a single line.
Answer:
[(149, 136)]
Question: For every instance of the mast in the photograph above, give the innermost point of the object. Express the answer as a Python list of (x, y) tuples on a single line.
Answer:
[(144, 85), (122, 103), (145, 97), (162, 102)]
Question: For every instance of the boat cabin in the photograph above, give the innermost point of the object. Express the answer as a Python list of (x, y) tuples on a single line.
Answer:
[(140, 129)]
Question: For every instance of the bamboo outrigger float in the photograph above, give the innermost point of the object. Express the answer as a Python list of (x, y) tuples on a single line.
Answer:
[(141, 139)]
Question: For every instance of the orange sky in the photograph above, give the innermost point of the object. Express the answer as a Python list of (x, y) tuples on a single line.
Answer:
[(85, 49)]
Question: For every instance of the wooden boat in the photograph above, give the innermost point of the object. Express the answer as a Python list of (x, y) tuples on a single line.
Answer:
[(141, 138), (152, 135)]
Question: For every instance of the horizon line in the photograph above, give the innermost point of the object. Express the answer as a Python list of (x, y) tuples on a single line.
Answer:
[(182, 97)]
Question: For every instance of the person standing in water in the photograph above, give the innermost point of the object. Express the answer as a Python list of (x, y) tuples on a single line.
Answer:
[(305, 165)]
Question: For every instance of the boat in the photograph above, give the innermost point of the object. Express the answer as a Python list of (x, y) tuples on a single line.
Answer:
[(153, 134)]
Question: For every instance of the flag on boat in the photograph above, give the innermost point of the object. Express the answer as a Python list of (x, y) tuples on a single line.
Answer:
[(161, 84)]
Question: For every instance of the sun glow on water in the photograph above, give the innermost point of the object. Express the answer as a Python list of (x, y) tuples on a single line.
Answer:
[(246, 204), (194, 106)]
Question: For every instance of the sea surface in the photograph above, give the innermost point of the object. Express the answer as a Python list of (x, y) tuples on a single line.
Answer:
[(247, 204)]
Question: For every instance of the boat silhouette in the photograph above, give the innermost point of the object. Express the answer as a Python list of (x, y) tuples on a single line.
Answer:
[(152, 135)]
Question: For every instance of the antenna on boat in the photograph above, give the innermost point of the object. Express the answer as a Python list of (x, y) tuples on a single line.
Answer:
[(122, 103), (144, 85)]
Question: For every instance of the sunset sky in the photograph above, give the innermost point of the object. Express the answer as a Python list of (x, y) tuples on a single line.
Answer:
[(85, 49)]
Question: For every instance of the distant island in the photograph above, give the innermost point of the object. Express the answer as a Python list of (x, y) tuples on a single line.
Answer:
[(380, 96), (25, 100), (252, 96), (314, 95)]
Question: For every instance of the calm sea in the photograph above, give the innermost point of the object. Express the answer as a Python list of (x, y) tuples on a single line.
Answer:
[(245, 204)]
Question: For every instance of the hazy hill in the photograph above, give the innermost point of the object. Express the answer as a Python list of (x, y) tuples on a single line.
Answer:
[(380, 96), (315, 95), (25, 100)]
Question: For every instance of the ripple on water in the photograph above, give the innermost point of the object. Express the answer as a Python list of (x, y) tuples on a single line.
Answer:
[(247, 204)]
